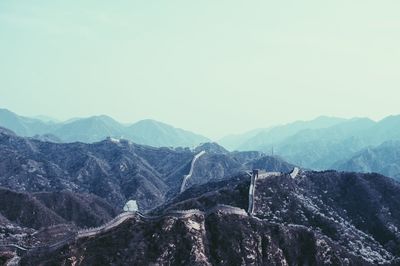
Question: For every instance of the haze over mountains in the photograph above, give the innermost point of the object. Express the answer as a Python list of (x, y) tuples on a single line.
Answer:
[(322, 143), (261, 138), (384, 159), (57, 183), (96, 128), (199, 133), (316, 218), (326, 142)]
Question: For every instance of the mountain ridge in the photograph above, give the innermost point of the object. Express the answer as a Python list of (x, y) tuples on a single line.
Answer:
[(98, 127), (295, 223), (115, 170), (383, 159)]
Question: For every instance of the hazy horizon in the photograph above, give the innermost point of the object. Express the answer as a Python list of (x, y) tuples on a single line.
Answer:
[(45, 117), (214, 68)]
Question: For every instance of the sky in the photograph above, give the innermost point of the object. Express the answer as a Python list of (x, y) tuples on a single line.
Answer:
[(212, 66)]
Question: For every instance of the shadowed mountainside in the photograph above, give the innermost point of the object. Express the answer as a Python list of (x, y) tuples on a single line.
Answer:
[(37, 210), (114, 170), (317, 218)]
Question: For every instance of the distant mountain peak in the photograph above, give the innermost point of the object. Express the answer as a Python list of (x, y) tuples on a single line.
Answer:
[(390, 119), (153, 122), (327, 117), (96, 128), (163, 134), (211, 147), (100, 118)]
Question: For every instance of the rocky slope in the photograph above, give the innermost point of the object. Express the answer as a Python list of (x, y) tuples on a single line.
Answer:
[(114, 170), (217, 238), (84, 210), (110, 169), (317, 218), (37, 210), (117, 170), (358, 211), (25, 210), (218, 164)]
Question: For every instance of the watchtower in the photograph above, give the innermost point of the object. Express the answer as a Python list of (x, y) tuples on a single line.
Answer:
[(255, 173)]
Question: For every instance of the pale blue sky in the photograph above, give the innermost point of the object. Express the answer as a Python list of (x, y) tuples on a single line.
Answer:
[(214, 67)]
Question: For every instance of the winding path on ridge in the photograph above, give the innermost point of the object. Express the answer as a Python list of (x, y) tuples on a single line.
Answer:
[(252, 190), (178, 213), (186, 177), (175, 213), (121, 218), (124, 217)]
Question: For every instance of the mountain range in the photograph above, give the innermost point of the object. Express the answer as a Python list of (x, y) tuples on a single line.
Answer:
[(96, 128), (317, 218), (64, 206), (384, 159), (118, 170), (322, 143), (327, 142)]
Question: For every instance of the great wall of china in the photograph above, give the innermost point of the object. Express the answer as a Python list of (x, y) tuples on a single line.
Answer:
[(121, 218)]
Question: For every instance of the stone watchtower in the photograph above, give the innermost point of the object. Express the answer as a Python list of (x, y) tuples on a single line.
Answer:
[(255, 173), (252, 188)]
